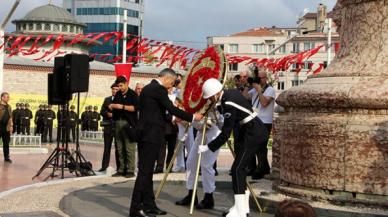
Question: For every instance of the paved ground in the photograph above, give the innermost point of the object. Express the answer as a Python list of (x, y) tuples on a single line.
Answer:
[(113, 201), (25, 165)]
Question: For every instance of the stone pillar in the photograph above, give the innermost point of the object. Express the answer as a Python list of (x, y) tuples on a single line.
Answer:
[(334, 132)]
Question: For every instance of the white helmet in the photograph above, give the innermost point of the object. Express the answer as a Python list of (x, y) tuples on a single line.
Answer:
[(211, 87)]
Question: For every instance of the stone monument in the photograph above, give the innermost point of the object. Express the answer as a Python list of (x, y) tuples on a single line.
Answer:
[(332, 138)]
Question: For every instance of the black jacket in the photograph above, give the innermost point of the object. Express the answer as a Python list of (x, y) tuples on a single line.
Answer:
[(153, 104), (104, 111)]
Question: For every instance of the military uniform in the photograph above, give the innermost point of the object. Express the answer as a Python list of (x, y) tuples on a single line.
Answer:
[(208, 177), (25, 120), (85, 118), (251, 139), (48, 118), (16, 119), (39, 120), (73, 120), (62, 124), (94, 118)]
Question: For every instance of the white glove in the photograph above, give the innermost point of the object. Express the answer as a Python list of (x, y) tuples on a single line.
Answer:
[(202, 148)]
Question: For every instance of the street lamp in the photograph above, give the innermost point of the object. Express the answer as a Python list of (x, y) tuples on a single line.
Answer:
[(2, 40)]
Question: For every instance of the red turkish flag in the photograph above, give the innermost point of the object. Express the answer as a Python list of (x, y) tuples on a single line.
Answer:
[(123, 69)]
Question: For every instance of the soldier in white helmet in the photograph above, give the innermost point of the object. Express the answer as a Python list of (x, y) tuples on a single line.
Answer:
[(252, 138), (214, 123)]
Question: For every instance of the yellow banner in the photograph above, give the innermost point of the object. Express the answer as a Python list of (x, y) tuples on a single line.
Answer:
[(35, 100)]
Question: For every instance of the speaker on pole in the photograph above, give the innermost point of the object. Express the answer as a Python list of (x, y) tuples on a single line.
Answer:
[(77, 73), (56, 84)]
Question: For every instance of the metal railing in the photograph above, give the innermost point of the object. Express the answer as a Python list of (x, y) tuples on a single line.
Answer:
[(21, 140), (91, 135)]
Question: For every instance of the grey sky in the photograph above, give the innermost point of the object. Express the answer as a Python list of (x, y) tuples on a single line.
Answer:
[(192, 21)]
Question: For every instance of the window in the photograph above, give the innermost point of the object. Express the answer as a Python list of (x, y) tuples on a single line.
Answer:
[(233, 48), (233, 67), (39, 27), (30, 26), (69, 10), (71, 28), (271, 47), (300, 82), (258, 48), (295, 47), (56, 28), (308, 64), (65, 28), (309, 45), (47, 27), (107, 11), (294, 83), (282, 49), (281, 85)]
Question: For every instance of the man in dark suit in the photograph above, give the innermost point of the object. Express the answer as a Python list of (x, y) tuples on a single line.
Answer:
[(108, 125), (153, 104)]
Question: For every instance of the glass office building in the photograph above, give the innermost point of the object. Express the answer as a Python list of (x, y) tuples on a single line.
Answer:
[(107, 16)]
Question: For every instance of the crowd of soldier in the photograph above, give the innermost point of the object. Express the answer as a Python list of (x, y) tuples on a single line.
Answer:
[(44, 119)]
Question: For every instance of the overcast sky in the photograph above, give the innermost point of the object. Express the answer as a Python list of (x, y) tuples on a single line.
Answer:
[(191, 21)]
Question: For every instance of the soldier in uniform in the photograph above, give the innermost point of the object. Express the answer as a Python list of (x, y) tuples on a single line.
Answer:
[(94, 118), (48, 118), (25, 119), (61, 121), (39, 120), (73, 120), (16, 119), (252, 138), (85, 118)]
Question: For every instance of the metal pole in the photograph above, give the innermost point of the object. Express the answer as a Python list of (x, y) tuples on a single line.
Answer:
[(329, 42), (198, 167), (177, 148), (2, 40), (248, 184), (125, 36)]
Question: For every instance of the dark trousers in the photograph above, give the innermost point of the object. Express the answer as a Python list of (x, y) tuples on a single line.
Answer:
[(262, 156), (72, 129), (170, 143), (39, 128), (25, 129), (108, 139), (5, 137), (252, 138), (48, 129), (143, 195)]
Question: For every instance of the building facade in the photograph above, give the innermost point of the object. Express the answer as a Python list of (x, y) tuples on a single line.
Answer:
[(260, 42), (108, 16)]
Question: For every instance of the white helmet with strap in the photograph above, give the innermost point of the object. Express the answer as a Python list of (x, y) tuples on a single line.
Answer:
[(211, 87)]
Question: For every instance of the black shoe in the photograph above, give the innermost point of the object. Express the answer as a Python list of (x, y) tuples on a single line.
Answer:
[(129, 175), (216, 173), (259, 174), (102, 170), (140, 213), (156, 211), (187, 200), (207, 202), (118, 174), (8, 160)]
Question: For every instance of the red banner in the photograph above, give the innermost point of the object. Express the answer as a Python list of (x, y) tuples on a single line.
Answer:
[(123, 69)]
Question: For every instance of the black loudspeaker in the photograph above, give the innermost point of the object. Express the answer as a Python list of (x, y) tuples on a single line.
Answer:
[(54, 97), (56, 84), (77, 73)]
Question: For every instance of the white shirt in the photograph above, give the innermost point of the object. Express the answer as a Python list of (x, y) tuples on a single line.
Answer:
[(265, 113)]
